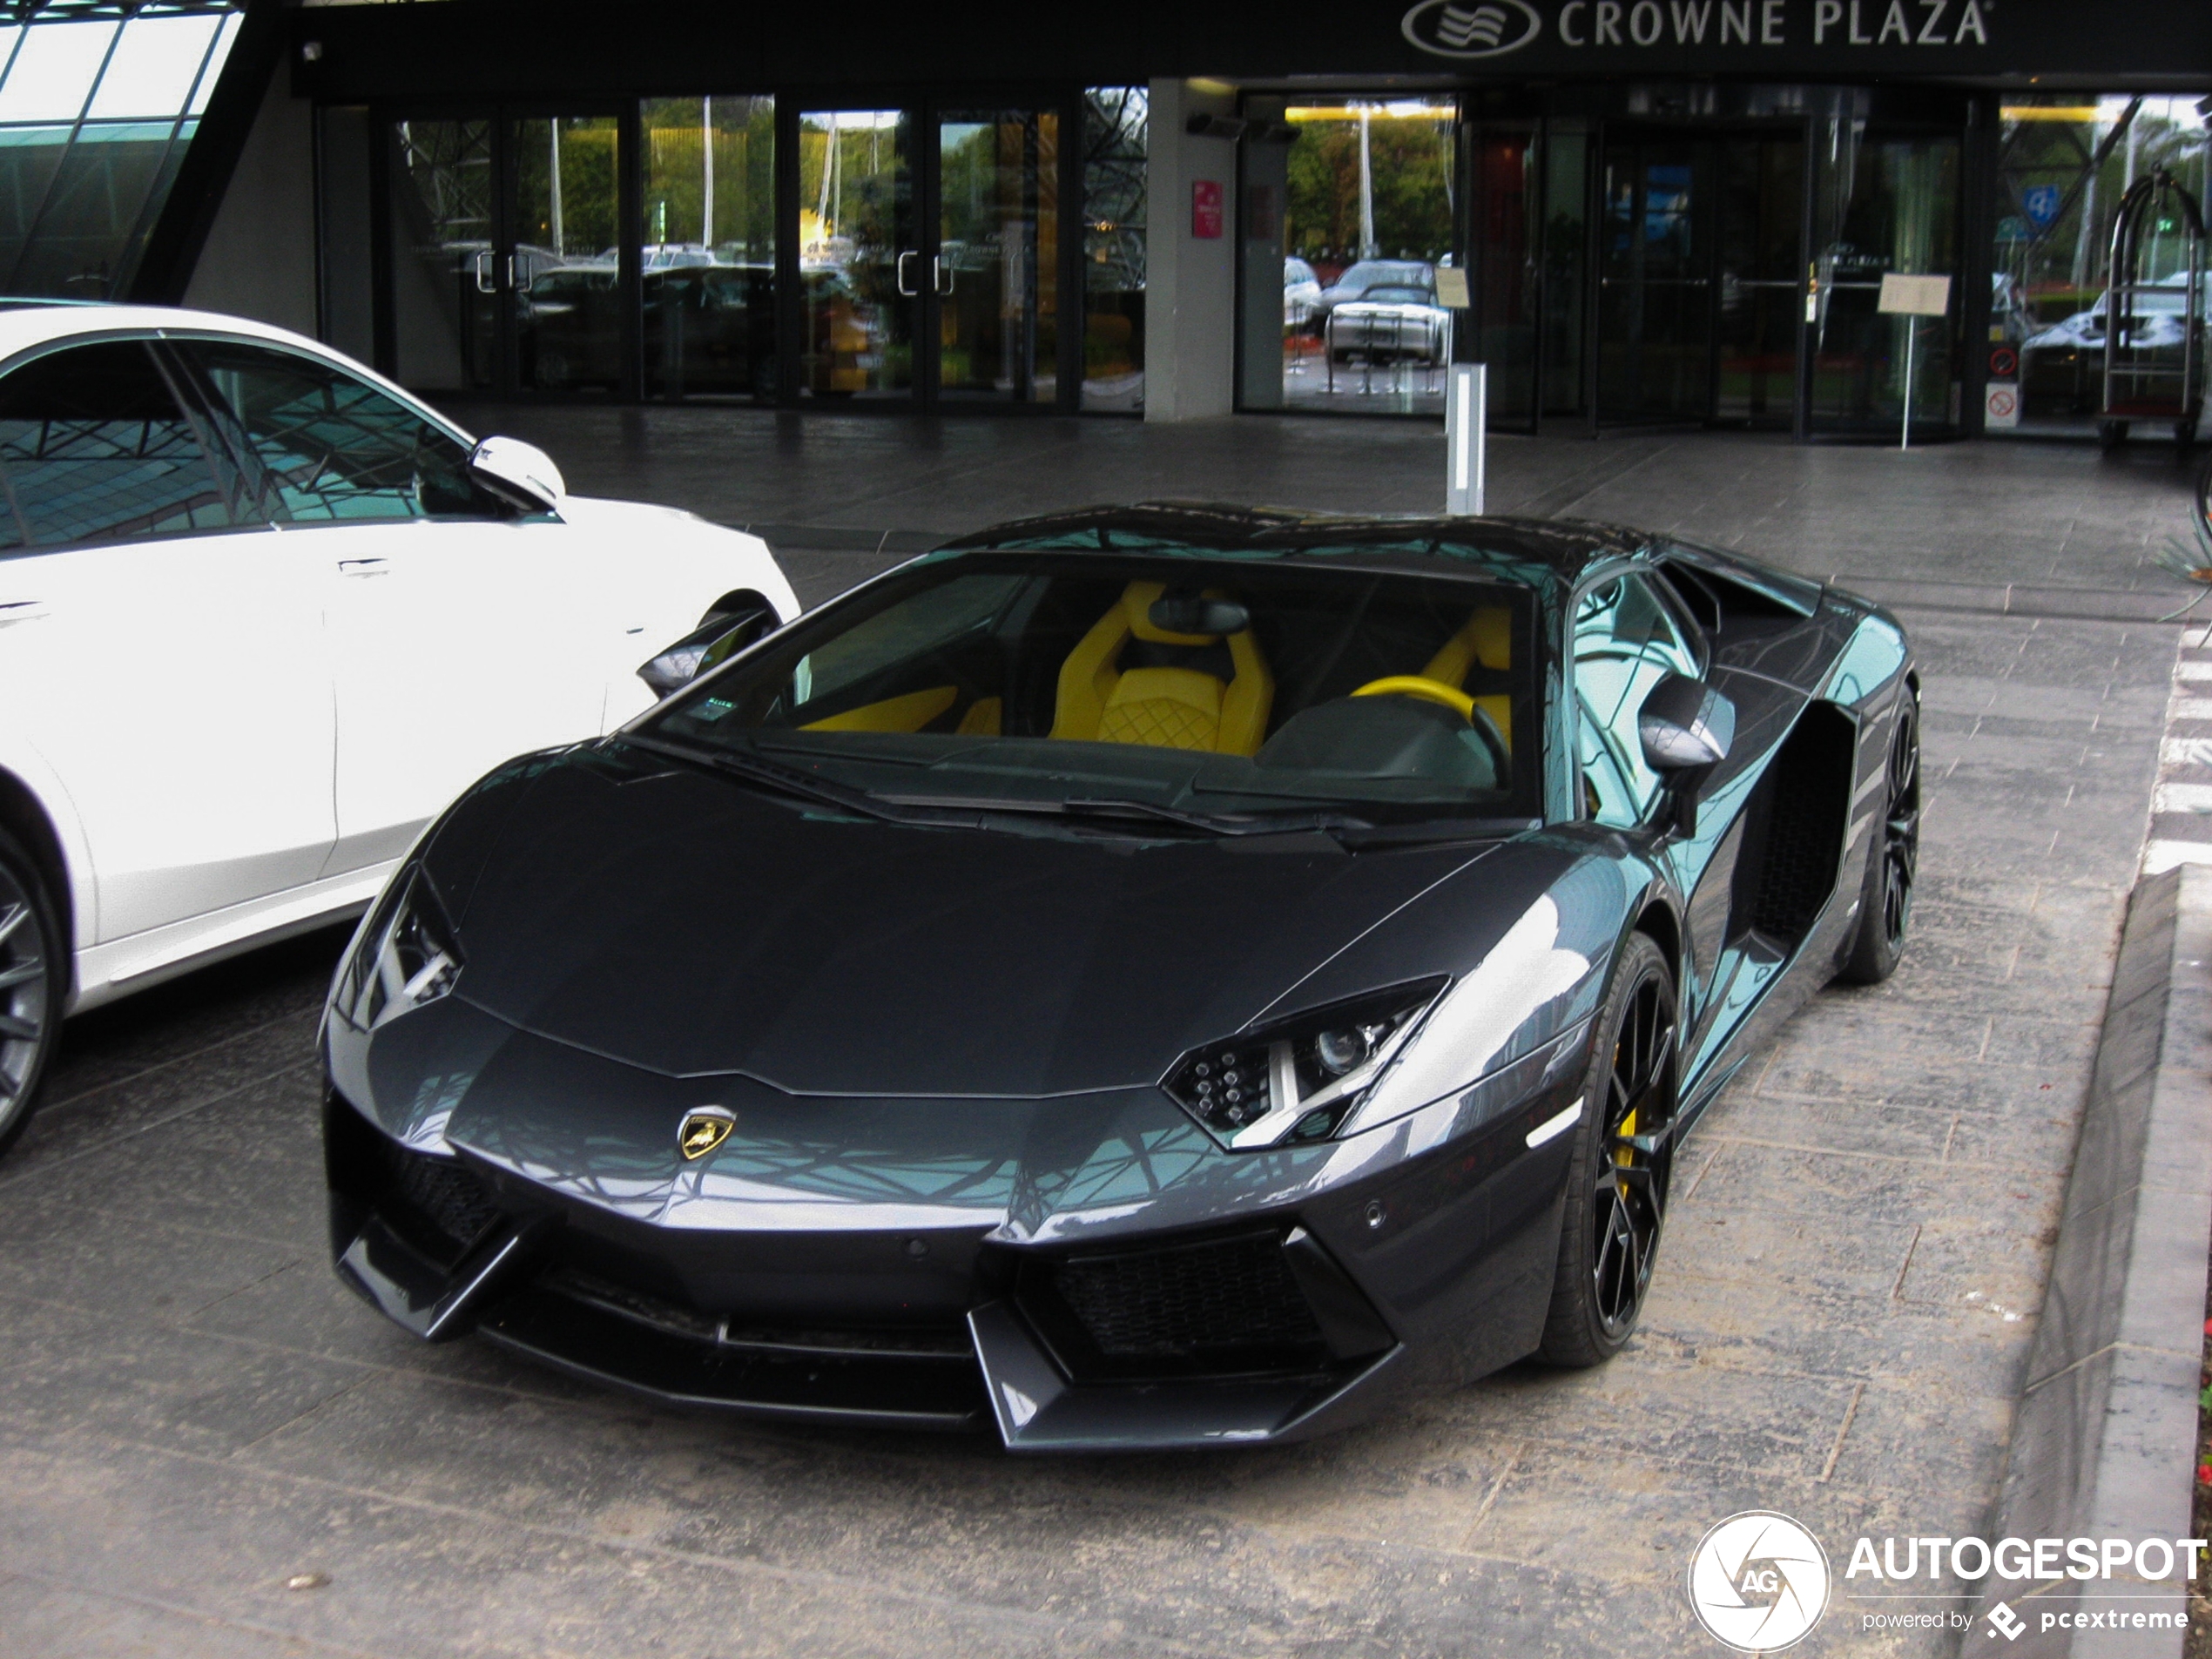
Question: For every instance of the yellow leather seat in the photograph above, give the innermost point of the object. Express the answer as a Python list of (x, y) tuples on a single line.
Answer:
[(1173, 704), (1485, 643)]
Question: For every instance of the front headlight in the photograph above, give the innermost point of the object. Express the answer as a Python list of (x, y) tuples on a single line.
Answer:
[(1297, 1080), (408, 954)]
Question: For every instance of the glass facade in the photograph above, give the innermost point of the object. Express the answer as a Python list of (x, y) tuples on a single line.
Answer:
[(1114, 193), (95, 115), (861, 266), (1354, 204), (709, 273), (2064, 161)]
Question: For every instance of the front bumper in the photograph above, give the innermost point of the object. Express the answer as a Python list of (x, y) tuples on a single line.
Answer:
[(1075, 1273), (1254, 1334)]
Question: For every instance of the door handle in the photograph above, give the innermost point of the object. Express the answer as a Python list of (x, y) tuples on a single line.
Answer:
[(482, 264), (940, 278), (510, 271), (16, 610), (899, 276), (362, 567)]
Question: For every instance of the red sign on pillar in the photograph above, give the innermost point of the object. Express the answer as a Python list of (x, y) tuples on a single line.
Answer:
[(1206, 207)]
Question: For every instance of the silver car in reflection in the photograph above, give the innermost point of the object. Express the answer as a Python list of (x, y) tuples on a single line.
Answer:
[(1390, 325)]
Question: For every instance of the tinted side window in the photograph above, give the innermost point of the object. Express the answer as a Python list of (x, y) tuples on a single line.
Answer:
[(332, 446), (94, 448), (1625, 643)]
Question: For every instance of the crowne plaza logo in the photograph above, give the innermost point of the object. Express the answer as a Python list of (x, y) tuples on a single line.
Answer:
[(1489, 29)]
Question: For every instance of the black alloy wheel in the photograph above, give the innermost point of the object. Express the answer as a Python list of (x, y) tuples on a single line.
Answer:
[(32, 966), (1616, 1196), (1893, 861)]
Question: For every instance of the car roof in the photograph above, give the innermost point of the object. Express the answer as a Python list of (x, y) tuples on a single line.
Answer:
[(27, 323), (1549, 554)]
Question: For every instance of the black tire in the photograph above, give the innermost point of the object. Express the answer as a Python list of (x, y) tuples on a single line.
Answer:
[(1893, 862), (34, 969), (1617, 1190)]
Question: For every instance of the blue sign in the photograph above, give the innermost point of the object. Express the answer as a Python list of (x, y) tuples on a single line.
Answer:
[(2040, 203)]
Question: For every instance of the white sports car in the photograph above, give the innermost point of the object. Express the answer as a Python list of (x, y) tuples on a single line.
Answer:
[(261, 615)]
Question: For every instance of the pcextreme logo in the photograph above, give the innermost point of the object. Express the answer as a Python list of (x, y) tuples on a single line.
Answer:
[(1759, 1582)]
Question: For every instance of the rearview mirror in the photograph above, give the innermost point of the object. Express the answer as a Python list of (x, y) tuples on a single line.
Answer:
[(1190, 614), (518, 472), (1685, 722)]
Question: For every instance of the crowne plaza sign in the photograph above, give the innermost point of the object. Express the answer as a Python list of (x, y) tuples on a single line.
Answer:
[(1843, 37)]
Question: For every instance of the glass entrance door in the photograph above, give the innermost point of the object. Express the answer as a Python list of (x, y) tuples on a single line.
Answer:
[(1656, 282), (862, 267), (443, 293), (1701, 267), (930, 254), (504, 275), (1762, 280), (995, 269), (560, 265)]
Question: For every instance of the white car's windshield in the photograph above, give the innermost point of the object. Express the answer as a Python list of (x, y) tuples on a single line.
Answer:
[(1206, 686)]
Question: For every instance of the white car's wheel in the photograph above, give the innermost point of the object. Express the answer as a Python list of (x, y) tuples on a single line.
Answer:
[(32, 966)]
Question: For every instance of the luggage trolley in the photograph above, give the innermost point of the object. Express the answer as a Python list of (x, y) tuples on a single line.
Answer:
[(2154, 370)]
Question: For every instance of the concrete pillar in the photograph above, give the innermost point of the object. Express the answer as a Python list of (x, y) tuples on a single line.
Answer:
[(1189, 281), (259, 259), (1262, 225)]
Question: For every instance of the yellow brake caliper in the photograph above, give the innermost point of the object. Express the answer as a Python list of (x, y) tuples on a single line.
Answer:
[(1622, 1154)]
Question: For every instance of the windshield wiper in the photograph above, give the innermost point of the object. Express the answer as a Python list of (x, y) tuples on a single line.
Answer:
[(788, 781), (1220, 824), (1113, 807)]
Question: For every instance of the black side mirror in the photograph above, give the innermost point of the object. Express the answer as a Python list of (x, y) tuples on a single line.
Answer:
[(720, 636), (1684, 723), (1685, 727)]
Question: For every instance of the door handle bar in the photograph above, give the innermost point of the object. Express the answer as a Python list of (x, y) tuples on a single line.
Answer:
[(899, 274)]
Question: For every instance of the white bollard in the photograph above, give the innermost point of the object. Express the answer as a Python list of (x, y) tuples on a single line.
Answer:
[(1467, 418)]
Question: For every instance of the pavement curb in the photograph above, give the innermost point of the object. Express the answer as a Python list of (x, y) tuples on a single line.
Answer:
[(2104, 1441)]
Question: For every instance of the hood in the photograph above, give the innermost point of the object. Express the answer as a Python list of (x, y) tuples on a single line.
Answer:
[(684, 923)]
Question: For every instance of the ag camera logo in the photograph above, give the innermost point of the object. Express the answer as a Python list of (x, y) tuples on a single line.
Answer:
[(1491, 29), (1759, 1582)]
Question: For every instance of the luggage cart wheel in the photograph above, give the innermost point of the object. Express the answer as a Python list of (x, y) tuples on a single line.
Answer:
[(2111, 434)]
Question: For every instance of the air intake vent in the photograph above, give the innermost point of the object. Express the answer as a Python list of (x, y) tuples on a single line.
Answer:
[(1809, 799), (450, 1197), (1226, 1305)]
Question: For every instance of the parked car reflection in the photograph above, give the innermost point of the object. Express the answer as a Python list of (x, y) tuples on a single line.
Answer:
[(709, 328), (1392, 324), (1359, 282), (2161, 316), (1301, 296)]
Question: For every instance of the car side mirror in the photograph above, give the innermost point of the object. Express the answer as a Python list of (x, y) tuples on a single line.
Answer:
[(1685, 722), (718, 638), (518, 472), (1685, 727)]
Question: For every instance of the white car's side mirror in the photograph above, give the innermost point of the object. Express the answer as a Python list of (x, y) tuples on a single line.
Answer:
[(520, 471)]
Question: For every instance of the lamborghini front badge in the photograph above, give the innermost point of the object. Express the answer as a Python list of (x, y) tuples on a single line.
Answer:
[(704, 1128)]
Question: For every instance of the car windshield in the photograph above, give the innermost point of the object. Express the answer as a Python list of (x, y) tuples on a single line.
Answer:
[(1374, 274), (1389, 296), (1220, 690)]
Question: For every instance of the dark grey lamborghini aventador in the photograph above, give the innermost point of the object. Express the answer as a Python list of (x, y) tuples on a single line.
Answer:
[(1148, 976)]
